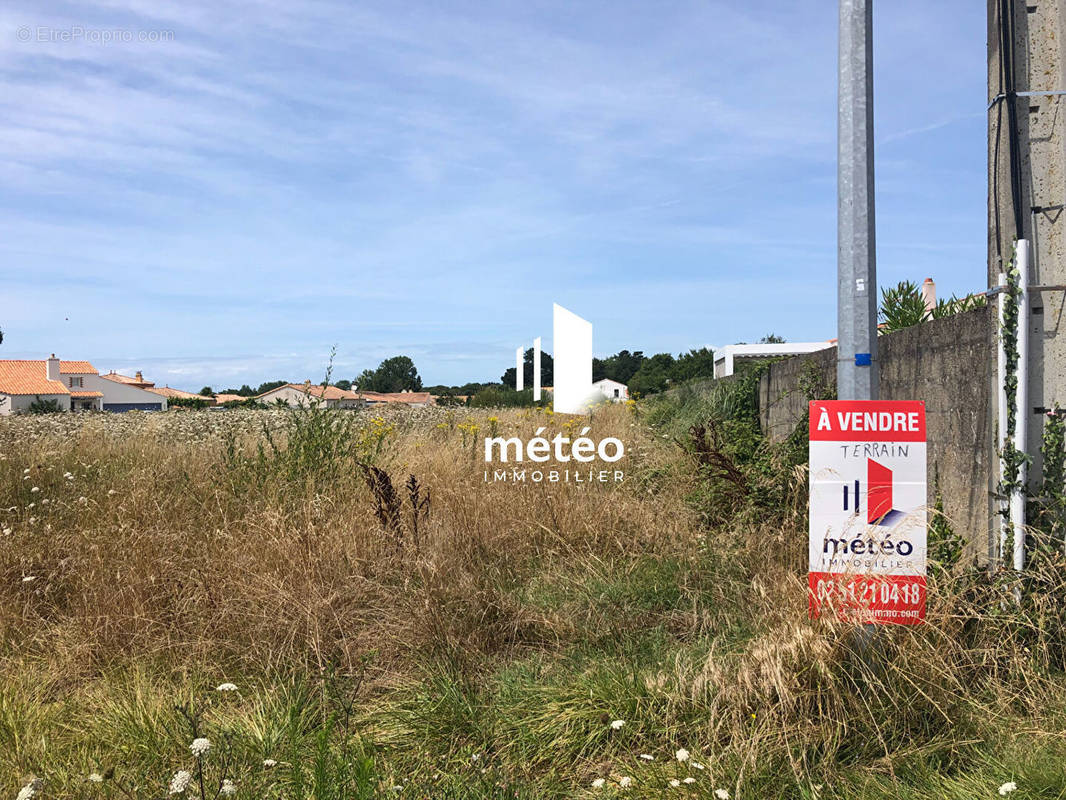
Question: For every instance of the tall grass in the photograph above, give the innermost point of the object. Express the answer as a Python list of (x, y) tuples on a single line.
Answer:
[(488, 655)]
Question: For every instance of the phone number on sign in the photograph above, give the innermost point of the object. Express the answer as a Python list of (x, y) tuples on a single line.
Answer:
[(872, 598)]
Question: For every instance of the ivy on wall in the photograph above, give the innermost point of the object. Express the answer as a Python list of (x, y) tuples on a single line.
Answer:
[(1013, 458)]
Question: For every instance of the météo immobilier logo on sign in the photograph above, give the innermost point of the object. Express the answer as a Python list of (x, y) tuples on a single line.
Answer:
[(572, 393), (868, 510)]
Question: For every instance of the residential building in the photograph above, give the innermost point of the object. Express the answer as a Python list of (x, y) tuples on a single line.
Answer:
[(728, 359), (304, 394), (137, 381), (171, 393), (222, 399), (123, 393), (73, 385), (613, 390)]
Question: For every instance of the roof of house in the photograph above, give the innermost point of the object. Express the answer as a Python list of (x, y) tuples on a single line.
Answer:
[(83, 367), (315, 390), (608, 380), (410, 398), (230, 398), (167, 391), (117, 378), (30, 377), (84, 395)]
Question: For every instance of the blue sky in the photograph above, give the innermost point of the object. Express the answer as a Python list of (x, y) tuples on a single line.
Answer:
[(427, 178)]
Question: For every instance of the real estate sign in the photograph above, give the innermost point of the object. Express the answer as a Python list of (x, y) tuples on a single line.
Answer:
[(868, 510)]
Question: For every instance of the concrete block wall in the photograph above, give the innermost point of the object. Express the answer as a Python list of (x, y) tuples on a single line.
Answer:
[(948, 363)]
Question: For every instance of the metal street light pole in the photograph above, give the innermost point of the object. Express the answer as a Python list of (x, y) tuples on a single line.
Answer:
[(857, 362)]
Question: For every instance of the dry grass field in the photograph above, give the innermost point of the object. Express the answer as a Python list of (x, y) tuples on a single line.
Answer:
[(342, 606)]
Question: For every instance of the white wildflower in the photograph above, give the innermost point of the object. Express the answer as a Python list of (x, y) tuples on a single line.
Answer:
[(228, 788), (68, 475), (26, 471), (111, 492), (226, 687), (682, 754), (96, 777), (29, 578), (269, 762), (625, 782), (30, 789), (618, 724), (1007, 788), (83, 500), (646, 756), (34, 490), (689, 779), (721, 794), (180, 782), (200, 746), (598, 783), (697, 765), (675, 783)]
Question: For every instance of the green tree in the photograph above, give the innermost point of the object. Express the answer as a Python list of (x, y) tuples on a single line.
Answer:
[(695, 364), (547, 370), (902, 306), (772, 338), (654, 375), (207, 391), (268, 385), (620, 367), (396, 374), (364, 381), (346, 385)]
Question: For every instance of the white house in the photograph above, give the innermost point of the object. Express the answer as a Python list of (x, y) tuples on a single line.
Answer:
[(74, 385), (23, 382), (613, 390), (728, 358), (122, 396), (303, 394)]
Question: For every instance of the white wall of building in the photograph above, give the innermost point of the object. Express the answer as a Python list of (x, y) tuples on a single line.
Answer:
[(117, 393), (612, 390), (20, 403)]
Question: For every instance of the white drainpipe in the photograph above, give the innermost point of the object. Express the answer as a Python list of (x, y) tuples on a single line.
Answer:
[(1001, 427), (1021, 429)]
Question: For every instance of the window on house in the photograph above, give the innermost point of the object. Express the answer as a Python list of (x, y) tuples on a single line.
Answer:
[(616, 393), (75, 383)]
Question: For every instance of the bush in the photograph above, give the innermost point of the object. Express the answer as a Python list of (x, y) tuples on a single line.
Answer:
[(39, 406)]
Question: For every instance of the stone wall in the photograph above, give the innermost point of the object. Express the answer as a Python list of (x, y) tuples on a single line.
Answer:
[(948, 363)]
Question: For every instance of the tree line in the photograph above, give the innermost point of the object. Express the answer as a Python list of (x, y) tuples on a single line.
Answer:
[(641, 373)]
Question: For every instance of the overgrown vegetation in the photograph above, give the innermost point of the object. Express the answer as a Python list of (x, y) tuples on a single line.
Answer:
[(902, 306), (44, 406), (343, 605)]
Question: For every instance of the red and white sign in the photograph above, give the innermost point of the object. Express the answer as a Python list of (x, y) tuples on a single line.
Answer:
[(868, 510)]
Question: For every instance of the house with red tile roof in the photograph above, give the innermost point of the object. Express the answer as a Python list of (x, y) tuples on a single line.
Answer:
[(409, 399), (72, 385), (306, 393), (171, 393), (222, 399), (23, 382), (137, 381)]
